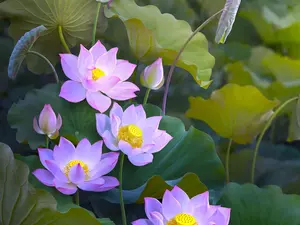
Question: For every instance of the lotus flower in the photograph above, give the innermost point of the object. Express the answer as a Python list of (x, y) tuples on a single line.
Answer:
[(84, 167), (153, 75), (48, 123), (97, 76), (131, 132), (178, 209)]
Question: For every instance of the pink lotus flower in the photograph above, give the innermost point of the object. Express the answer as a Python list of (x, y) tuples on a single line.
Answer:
[(48, 123), (84, 167), (178, 209), (153, 75), (131, 132), (97, 76)]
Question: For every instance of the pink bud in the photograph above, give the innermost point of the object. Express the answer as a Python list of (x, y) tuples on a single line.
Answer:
[(153, 75)]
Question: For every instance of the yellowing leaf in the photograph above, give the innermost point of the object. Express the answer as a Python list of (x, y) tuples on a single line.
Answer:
[(237, 112), (75, 16), (153, 34)]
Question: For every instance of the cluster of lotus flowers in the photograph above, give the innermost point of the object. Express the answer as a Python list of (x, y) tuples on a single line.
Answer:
[(99, 77)]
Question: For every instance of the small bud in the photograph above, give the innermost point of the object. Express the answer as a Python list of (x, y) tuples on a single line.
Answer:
[(48, 124), (153, 75), (227, 20)]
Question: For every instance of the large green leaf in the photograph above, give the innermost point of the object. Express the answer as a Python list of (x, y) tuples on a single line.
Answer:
[(22, 204), (78, 119), (75, 16), (152, 35), (260, 206)]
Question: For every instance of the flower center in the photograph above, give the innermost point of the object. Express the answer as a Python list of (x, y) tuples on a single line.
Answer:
[(183, 219), (74, 163), (97, 73), (131, 134)]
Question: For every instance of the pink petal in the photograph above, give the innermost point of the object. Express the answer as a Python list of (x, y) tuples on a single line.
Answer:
[(110, 141), (140, 112), (170, 206), (141, 159), (142, 222), (156, 218), (220, 217), (64, 152), (152, 205), (97, 50), (110, 183), (129, 116), (77, 174), (102, 123), (106, 165), (160, 141), (72, 91), (36, 126), (47, 120), (98, 101), (125, 147), (123, 91), (64, 187), (116, 110), (45, 154), (107, 83), (93, 185), (56, 171), (58, 122), (107, 62), (181, 197), (147, 148), (124, 69), (85, 61), (115, 125), (69, 66), (151, 122), (44, 176), (201, 200)]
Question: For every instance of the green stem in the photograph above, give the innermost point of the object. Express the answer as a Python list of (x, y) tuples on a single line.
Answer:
[(146, 96), (96, 22), (62, 39), (124, 221), (47, 141), (268, 124), (47, 61), (76, 197), (164, 104), (227, 160)]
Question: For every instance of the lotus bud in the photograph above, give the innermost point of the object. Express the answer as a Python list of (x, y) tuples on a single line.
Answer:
[(48, 123), (153, 75)]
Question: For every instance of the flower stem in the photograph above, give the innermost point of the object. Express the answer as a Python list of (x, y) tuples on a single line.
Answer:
[(62, 39), (268, 124), (227, 160), (96, 22), (124, 221), (146, 96), (76, 197), (164, 104), (47, 142), (47, 61)]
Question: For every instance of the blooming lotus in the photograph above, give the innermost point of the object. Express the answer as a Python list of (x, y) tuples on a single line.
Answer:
[(153, 75), (131, 132), (97, 76), (178, 209), (84, 167), (48, 123)]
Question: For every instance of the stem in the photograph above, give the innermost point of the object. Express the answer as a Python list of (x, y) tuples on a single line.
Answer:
[(96, 22), (47, 141), (124, 221), (178, 56), (227, 160), (146, 96), (76, 197), (49, 63), (277, 111), (62, 39)]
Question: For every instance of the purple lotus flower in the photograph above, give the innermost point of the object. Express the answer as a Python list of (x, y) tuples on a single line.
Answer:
[(131, 132), (48, 123), (153, 75), (84, 167), (178, 209), (97, 76)]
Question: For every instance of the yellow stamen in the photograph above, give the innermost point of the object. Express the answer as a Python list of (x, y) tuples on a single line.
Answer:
[(74, 163), (131, 134), (183, 219), (97, 73)]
